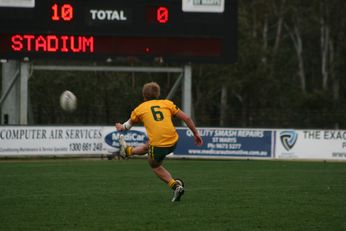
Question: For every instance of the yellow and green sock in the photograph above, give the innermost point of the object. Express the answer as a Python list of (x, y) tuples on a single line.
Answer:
[(129, 150), (172, 184)]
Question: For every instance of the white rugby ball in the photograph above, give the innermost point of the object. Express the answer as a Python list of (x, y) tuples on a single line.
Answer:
[(68, 101)]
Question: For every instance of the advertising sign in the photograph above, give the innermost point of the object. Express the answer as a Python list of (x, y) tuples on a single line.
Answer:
[(53, 140), (218, 142), (63, 140), (226, 142), (134, 137), (311, 144)]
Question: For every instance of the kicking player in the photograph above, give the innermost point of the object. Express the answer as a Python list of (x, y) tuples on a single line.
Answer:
[(156, 115)]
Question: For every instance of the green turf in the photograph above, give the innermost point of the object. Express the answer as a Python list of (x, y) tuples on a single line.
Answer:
[(125, 195)]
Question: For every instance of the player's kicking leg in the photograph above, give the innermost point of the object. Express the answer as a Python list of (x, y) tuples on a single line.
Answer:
[(126, 150), (123, 146)]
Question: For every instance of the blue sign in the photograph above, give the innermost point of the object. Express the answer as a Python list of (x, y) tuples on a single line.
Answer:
[(226, 142), (132, 138)]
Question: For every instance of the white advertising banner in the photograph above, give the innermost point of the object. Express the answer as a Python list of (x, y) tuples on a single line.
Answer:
[(311, 144), (64, 140), (16, 140)]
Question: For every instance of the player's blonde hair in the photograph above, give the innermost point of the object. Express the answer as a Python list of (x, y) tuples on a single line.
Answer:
[(151, 91)]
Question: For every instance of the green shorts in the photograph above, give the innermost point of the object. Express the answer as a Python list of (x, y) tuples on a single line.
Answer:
[(160, 153)]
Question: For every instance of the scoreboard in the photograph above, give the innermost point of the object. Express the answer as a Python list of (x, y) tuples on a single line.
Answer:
[(178, 30)]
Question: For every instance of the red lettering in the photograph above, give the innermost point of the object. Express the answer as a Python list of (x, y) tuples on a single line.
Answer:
[(88, 42), (162, 15), (64, 12), (73, 44), (52, 43), (17, 44), (55, 16), (40, 43), (64, 39), (28, 39), (67, 12)]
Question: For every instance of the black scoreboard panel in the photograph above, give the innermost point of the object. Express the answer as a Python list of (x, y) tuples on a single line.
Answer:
[(101, 29)]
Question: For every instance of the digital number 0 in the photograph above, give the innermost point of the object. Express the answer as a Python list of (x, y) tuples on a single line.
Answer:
[(162, 15)]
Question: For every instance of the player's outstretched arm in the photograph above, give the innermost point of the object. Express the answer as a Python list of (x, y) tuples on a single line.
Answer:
[(190, 124), (125, 126)]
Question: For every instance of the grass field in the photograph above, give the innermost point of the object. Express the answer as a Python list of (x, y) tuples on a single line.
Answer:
[(125, 195)]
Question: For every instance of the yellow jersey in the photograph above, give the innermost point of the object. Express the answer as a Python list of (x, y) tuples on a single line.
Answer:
[(156, 115)]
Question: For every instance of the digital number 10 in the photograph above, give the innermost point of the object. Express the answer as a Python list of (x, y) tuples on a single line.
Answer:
[(62, 13)]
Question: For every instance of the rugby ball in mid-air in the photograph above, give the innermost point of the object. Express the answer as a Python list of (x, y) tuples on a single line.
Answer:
[(68, 101)]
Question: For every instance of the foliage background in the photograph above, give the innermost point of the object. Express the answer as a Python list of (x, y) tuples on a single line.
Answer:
[(290, 73)]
